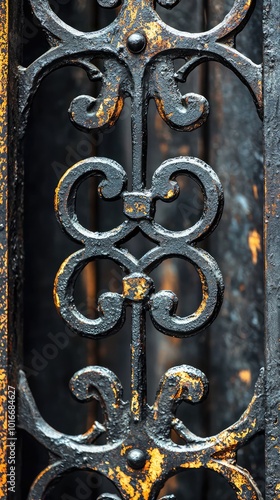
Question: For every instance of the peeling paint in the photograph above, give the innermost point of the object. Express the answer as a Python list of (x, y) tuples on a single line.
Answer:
[(254, 242), (152, 431), (136, 287), (4, 27)]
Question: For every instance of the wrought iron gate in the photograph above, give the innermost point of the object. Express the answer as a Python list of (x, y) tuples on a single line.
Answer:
[(138, 55)]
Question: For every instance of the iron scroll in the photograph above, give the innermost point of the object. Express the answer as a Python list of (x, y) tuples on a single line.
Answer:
[(138, 50)]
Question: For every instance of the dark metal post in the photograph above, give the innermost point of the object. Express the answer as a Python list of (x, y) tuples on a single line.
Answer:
[(271, 20), (4, 61), (138, 49)]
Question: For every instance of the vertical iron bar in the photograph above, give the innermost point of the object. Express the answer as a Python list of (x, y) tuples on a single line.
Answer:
[(139, 133), (138, 363), (161, 454), (138, 335), (271, 23), (3, 243)]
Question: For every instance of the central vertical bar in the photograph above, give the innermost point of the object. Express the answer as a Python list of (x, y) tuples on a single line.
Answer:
[(138, 363), (139, 131), (271, 29), (4, 28), (138, 335)]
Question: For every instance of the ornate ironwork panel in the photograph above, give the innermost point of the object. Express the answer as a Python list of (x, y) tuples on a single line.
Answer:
[(138, 51)]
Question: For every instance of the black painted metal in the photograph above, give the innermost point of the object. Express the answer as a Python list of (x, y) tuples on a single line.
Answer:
[(138, 51), (271, 230)]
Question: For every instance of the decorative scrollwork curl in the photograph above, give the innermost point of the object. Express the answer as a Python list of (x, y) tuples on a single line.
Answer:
[(97, 382), (141, 72), (180, 383), (57, 29), (163, 304), (184, 113), (165, 188), (89, 113), (114, 181)]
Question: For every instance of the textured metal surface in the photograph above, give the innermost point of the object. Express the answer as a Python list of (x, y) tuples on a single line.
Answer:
[(3, 243), (235, 346), (272, 235), (149, 437), (138, 51)]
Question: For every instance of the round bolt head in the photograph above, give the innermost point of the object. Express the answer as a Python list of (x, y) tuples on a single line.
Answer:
[(136, 459), (136, 43)]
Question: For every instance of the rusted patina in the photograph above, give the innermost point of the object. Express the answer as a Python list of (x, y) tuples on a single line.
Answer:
[(138, 49), (139, 456), (4, 61), (271, 19), (136, 287)]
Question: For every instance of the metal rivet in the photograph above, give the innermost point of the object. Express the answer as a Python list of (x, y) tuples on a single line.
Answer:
[(136, 459), (136, 42)]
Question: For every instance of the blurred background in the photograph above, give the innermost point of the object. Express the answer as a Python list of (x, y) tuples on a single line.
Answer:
[(230, 352)]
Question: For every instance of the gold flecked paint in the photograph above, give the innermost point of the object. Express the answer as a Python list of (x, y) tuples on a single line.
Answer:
[(140, 207), (141, 489), (194, 464), (125, 482), (125, 449), (222, 462), (205, 294), (3, 245), (135, 405), (133, 20), (135, 288), (59, 273), (160, 107), (153, 469), (136, 484), (137, 206), (254, 242), (236, 476), (3, 431), (230, 441), (128, 208), (169, 194), (109, 110), (186, 381)]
